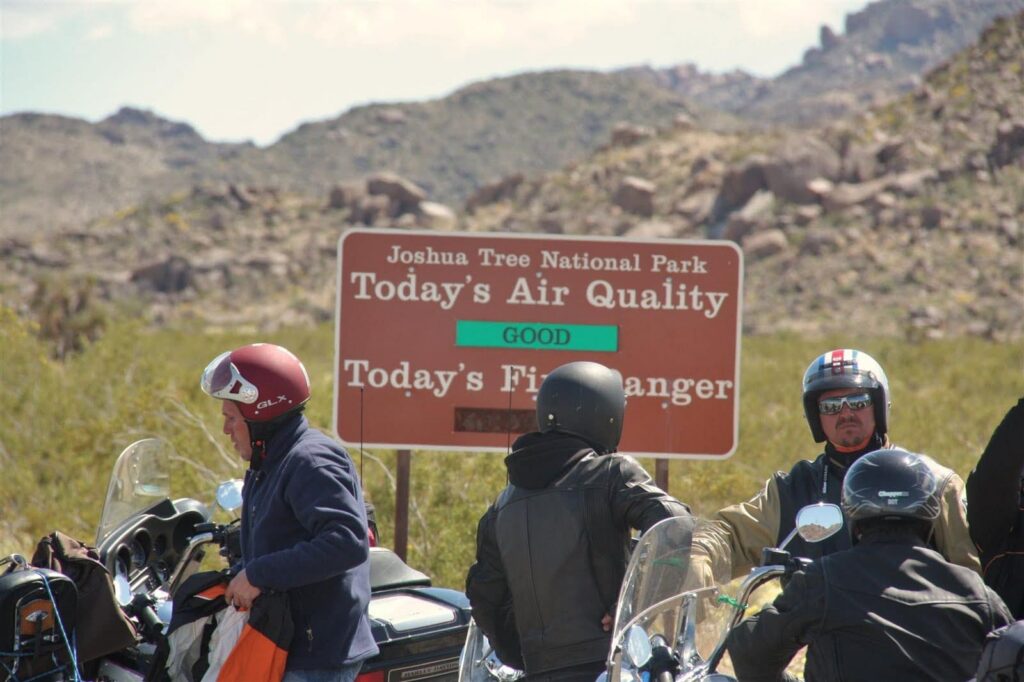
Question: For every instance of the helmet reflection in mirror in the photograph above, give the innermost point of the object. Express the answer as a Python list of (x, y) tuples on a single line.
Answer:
[(845, 368), (264, 380), (890, 484), (819, 522), (585, 399)]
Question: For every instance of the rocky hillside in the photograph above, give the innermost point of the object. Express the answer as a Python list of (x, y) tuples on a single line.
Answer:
[(881, 51), (59, 173), (904, 220)]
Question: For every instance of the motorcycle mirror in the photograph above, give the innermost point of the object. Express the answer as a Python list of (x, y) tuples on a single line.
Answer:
[(817, 522), (229, 495), (122, 590), (637, 647)]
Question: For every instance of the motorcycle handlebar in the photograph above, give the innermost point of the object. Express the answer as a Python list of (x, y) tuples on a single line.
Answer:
[(142, 607)]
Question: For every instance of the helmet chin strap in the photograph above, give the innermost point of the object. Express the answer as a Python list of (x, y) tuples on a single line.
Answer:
[(258, 445), (261, 432)]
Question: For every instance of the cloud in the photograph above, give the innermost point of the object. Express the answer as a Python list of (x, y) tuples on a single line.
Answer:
[(464, 24), (365, 23), (266, 20), (100, 32), (23, 19), (789, 17)]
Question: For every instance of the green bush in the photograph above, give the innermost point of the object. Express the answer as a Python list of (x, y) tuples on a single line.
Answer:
[(63, 423)]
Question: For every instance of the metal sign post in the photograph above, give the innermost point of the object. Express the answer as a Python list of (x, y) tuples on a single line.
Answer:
[(404, 466)]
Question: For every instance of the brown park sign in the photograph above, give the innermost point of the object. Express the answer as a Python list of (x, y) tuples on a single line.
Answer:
[(444, 338)]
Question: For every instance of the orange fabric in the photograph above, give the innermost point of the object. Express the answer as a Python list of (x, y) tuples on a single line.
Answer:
[(213, 592), (255, 657)]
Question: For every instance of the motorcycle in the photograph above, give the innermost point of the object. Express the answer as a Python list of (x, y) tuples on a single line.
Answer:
[(669, 629), (479, 662), (151, 544)]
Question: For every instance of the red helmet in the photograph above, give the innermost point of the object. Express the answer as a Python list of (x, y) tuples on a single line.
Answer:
[(264, 380)]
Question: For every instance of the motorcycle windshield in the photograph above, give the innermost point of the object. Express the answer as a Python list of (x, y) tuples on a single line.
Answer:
[(140, 478), (658, 586)]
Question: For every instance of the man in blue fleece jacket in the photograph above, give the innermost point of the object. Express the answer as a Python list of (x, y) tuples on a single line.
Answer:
[(304, 527)]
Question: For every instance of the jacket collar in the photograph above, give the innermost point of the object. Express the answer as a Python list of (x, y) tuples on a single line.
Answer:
[(839, 462), (538, 458), (280, 442)]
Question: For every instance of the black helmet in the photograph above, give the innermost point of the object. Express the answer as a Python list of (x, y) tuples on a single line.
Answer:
[(845, 368), (890, 484), (585, 399), (1002, 659)]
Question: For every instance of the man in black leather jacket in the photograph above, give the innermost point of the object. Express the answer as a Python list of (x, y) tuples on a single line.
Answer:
[(995, 509), (552, 549), (889, 608)]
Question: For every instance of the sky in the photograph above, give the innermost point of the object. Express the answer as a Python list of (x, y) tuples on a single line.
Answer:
[(255, 69)]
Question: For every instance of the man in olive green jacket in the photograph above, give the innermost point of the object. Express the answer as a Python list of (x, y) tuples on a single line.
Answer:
[(846, 401)]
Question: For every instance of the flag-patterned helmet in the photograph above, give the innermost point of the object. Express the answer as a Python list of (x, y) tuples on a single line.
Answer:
[(845, 368)]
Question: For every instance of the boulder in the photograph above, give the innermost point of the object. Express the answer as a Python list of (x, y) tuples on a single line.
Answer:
[(651, 229), (795, 164), (272, 263), (371, 210), (493, 192), (404, 194), (551, 224), (805, 215), (751, 218), (910, 183), (819, 187), (635, 195), (1009, 145), (846, 195), (860, 164), (932, 217), (243, 196), (696, 208), (169, 276), (627, 134), (906, 23), (828, 38), (391, 116), (683, 122), (345, 195), (764, 244), (435, 216), (820, 241), (738, 185)]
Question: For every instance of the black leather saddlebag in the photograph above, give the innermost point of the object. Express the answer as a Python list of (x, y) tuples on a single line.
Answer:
[(37, 619)]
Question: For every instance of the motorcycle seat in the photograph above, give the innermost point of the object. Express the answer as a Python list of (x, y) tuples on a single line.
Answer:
[(388, 571)]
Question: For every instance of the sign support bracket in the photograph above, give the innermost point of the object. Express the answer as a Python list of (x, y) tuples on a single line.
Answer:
[(402, 503)]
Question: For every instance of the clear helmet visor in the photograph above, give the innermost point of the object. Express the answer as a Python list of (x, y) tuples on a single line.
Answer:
[(221, 379)]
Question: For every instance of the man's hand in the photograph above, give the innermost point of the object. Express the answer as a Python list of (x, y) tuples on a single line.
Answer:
[(606, 623), (241, 592)]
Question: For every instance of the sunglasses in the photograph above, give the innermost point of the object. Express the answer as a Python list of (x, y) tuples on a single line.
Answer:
[(834, 405)]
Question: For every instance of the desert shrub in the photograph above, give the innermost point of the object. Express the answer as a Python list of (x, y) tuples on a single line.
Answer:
[(63, 423)]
